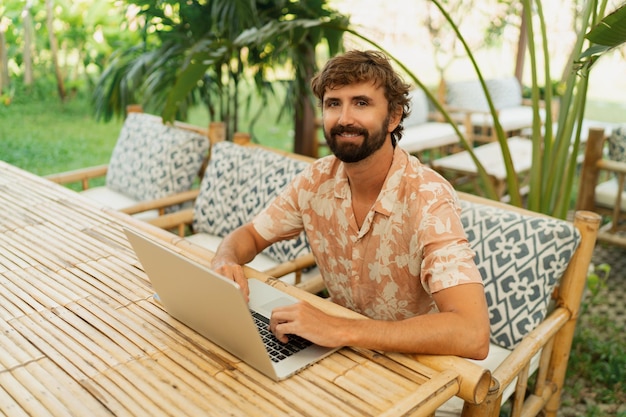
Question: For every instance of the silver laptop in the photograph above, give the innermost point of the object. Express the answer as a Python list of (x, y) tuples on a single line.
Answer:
[(215, 307)]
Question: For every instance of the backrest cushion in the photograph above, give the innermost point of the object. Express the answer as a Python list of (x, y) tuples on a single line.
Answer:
[(152, 160), (617, 143), (469, 95), (238, 183), (505, 92), (521, 259), (419, 109)]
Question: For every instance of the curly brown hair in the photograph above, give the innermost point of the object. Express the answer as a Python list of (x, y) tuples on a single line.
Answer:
[(363, 66)]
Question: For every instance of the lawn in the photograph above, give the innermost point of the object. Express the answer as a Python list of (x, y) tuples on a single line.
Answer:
[(48, 137)]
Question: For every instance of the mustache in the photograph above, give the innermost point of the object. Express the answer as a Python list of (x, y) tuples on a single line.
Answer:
[(338, 130)]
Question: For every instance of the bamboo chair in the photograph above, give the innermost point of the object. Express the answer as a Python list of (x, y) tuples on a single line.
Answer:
[(544, 350), (171, 159), (466, 101), (603, 174), (240, 180), (496, 229), (424, 137)]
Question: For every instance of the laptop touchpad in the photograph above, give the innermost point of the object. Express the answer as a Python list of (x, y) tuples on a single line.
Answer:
[(279, 302)]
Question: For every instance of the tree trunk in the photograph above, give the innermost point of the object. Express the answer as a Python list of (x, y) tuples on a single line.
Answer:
[(27, 22), (54, 49), (4, 60), (522, 43), (305, 138)]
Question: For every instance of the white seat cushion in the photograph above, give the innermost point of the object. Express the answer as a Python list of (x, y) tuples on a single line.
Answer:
[(261, 262), (117, 201), (606, 193), (419, 109), (428, 135), (511, 118)]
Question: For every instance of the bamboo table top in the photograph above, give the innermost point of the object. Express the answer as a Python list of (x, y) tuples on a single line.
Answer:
[(81, 334)]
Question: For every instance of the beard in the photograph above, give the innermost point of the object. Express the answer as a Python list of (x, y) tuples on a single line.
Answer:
[(351, 152)]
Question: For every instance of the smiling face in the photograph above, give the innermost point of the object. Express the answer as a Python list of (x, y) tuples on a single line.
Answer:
[(356, 120)]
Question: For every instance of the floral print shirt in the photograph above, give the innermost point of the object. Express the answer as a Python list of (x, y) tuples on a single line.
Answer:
[(410, 245)]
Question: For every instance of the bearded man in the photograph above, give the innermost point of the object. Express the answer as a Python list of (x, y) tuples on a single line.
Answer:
[(385, 229)]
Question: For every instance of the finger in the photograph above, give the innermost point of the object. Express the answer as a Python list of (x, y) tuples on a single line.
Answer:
[(241, 279), (235, 272), (280, 334), (277, 325)]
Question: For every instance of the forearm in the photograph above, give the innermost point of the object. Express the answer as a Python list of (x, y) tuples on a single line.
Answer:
[(239, 247), (445, 333), (460, 328)]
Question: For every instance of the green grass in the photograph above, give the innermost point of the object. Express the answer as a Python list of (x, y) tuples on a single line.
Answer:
[(45, 137), (49, 137)]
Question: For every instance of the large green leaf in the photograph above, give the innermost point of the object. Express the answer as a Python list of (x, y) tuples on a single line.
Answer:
[(611, 31), (201, 58)]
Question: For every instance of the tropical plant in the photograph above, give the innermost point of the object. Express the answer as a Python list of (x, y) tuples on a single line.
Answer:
[(201, 51), (555, 154)]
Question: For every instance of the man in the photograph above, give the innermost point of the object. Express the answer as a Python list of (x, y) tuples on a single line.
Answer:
[(384, 229)]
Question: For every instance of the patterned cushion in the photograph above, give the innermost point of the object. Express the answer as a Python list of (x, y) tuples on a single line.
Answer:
[(152, 160), (238, 183), (617, 144), (521, 259)]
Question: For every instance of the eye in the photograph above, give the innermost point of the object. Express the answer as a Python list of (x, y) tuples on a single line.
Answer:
[(331, 103)]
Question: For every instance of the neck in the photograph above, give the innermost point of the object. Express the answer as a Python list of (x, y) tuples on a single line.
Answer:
[(367, 177)]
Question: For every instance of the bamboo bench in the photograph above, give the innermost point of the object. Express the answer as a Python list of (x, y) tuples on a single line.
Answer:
[(534, 268), (424, 137), (241, 179)]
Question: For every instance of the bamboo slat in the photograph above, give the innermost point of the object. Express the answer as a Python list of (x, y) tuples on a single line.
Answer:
[(10, 407), (23, 395)]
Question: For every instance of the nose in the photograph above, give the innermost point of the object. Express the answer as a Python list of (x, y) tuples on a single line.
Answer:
[(346, 117)]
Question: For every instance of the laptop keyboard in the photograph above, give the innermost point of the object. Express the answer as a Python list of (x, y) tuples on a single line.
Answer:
[(276, 349)]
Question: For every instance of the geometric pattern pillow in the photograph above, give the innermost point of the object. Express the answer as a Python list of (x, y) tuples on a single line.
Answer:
[(237, 184), (617, 144), (152, 160), (520, 258)]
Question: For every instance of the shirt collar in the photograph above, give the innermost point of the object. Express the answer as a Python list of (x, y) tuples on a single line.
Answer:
[(389, 193)]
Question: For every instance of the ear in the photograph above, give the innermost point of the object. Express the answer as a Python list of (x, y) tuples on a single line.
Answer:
[(395, 119)]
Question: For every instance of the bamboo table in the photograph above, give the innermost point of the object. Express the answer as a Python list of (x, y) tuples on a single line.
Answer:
[(81, 334)]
